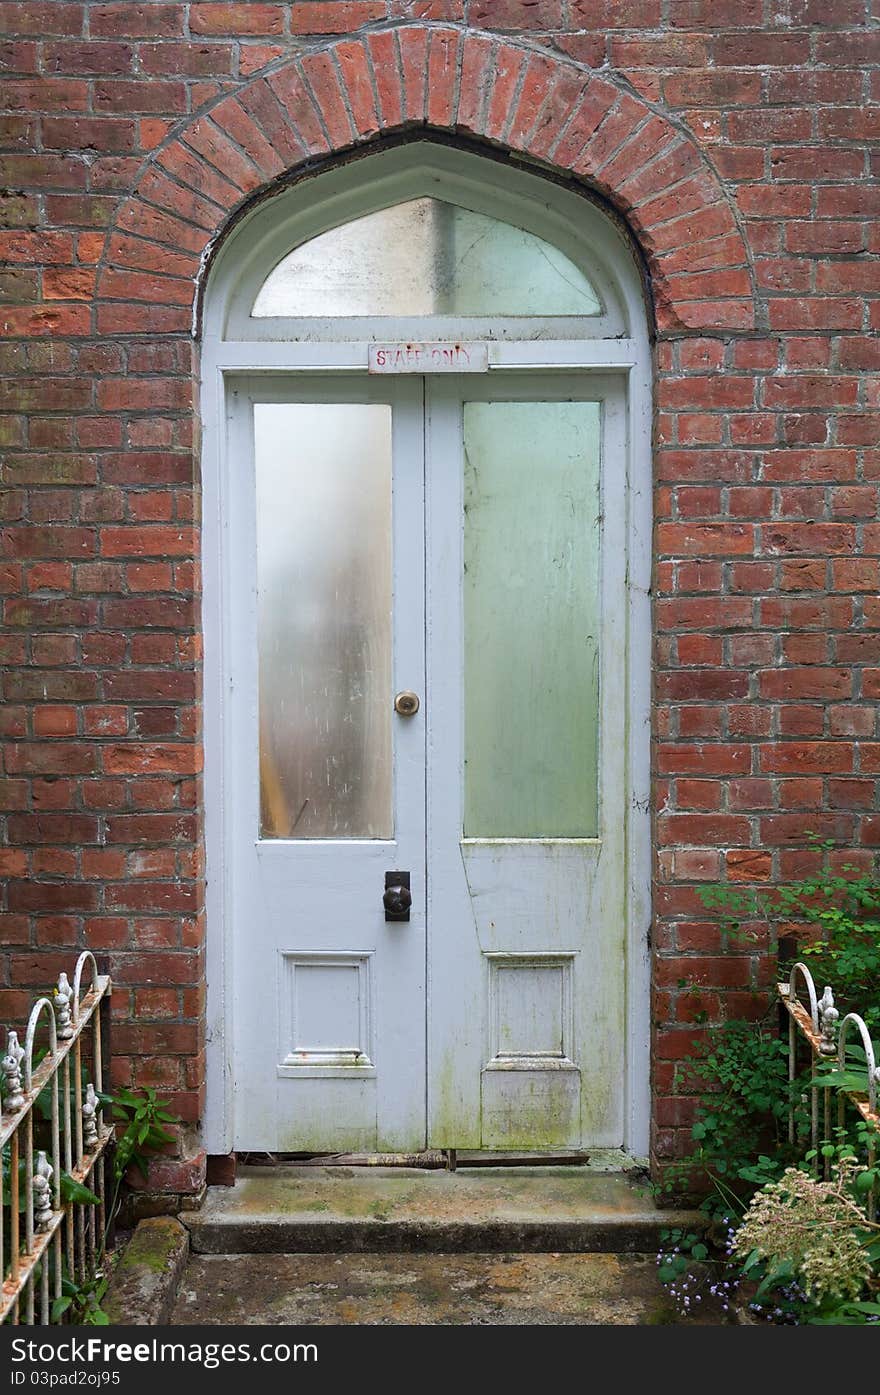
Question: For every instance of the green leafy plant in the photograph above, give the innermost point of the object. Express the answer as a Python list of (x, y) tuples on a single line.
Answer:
[(143, 1116), (740, 1130), (80, 1303), (839, 919)]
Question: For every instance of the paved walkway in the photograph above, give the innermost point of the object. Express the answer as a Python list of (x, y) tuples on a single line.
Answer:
[(497, 1289)]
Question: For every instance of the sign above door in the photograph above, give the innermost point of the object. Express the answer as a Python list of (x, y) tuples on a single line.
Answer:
[(440, 357)]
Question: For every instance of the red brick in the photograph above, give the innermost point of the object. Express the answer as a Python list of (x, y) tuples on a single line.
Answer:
[(335, 17), (707, 539), (238, 18), (712, 88), (41, 18), (789, 683), (382, 49), (777, 829), (706, 760), (793, 757), (413, 60), (779, 539), (101, 59), (357, 83), (187, 59), (702, 829), (137, 21), (698, 794)]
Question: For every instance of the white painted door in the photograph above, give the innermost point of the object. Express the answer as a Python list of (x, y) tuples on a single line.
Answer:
[(495, 1016), (527, 503)]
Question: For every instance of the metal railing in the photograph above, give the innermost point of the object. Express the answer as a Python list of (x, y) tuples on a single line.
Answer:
[(53, 1137), (828, 1037)]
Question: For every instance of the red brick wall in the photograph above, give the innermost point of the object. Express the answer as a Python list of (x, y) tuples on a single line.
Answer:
[(765, 274)]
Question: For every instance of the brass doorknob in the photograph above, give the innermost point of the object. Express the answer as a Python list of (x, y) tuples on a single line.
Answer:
[(406, 704)]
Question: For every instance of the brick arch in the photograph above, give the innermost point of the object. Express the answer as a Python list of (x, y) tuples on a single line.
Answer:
[(428, 77)]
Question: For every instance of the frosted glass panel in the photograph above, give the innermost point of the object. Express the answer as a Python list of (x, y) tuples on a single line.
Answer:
[(531, 617), (323, 480), (426, 257)]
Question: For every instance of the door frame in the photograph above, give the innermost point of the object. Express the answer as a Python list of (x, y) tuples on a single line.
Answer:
[(629, 358)]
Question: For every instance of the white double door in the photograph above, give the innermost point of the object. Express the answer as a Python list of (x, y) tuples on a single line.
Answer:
[(462, 539)]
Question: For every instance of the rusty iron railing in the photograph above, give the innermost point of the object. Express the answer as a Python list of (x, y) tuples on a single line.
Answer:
[(818, 1024), (53, 1136)]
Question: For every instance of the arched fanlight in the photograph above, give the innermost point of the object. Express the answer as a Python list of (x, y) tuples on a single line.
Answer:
[(426, 256)]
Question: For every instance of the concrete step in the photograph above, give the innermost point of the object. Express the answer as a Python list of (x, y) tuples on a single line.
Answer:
[(321, 1210)]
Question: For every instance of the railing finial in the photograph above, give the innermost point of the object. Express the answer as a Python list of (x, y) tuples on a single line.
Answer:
[(43, 1174), (89, 1113), (828, 1016), (11, 1064), (63, 995)]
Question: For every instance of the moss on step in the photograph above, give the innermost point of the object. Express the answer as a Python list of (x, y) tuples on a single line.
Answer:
[(144, 1283)]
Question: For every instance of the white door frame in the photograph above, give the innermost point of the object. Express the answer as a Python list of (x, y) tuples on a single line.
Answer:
[(627, 356)]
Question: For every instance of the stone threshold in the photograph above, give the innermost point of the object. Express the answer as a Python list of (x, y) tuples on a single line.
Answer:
[(296, 1209)]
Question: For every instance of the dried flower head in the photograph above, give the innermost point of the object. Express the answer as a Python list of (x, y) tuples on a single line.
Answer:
[(815, 1225)]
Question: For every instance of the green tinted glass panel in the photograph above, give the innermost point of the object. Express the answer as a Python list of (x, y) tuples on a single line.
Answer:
[(531, 619), (426, 257)]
